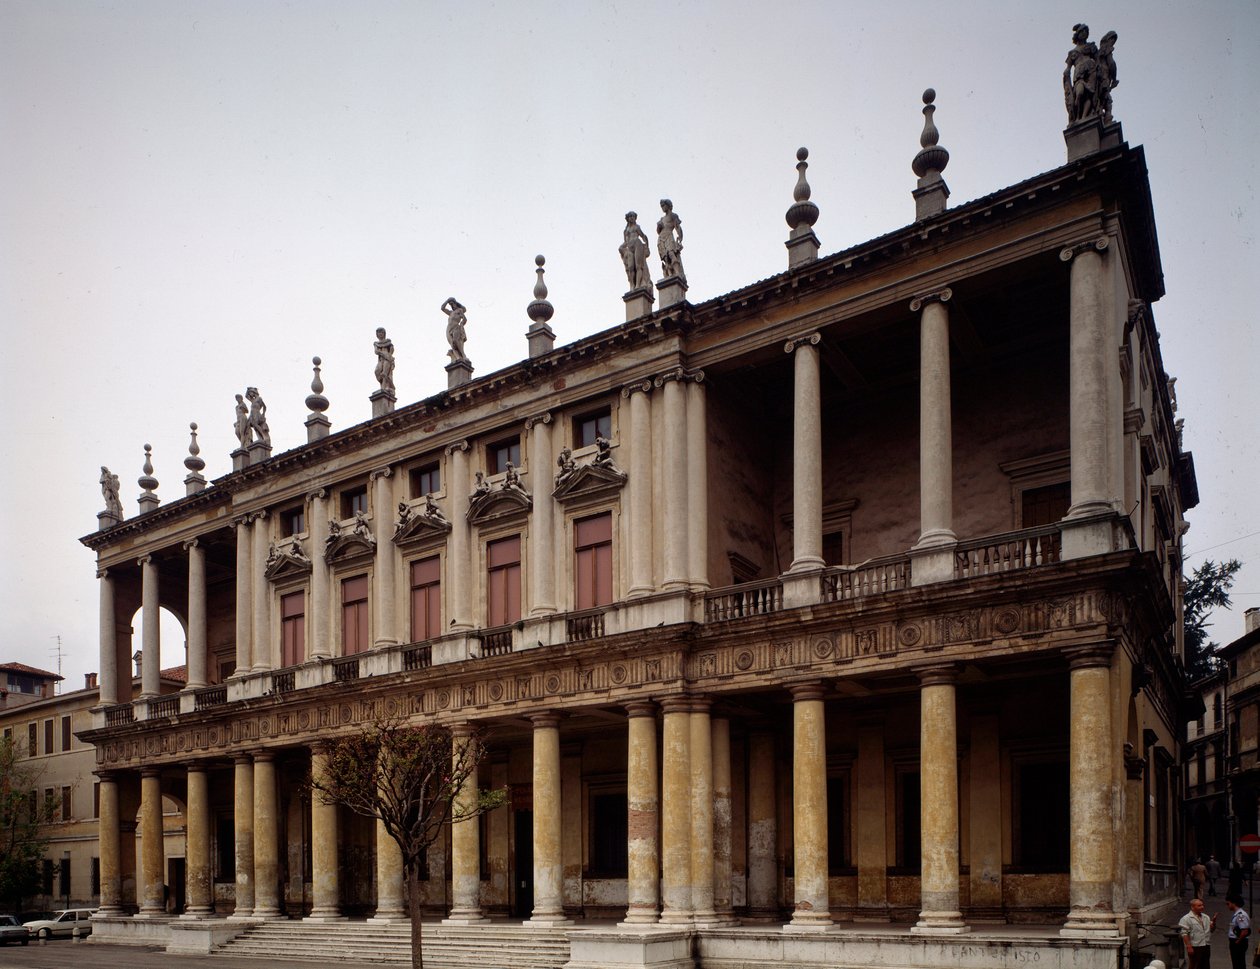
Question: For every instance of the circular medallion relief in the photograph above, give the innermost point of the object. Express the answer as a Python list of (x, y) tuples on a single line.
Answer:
[(823, 648), (909, 634), (552, 683), (744, 659), (1006, 621), (443, 699), (617, 674), (496, 691)]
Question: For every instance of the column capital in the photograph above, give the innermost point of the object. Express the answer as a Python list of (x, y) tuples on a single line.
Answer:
[(384, 472), (640, 708), (316, 495), (457, 446), (102, 573), (191, 544), (549, 718), (675, 704), (258, 516), (943, 295), (938, 674), (150, 772), (810, 339), (465, 728), (323, 747), (243, 760), (264, 755), (240, 521), (807, 691), (677, 373), (1093, 655), (107, 776), (144, 559), (1068, 253), (544, 418), (197, 767), (701, 704), (644, 386)]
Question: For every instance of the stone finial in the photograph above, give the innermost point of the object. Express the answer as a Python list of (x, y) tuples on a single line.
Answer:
[(317, 424), (932, 192), (540, 336), (384, 397), (802, 244), (113, 513), (195, 481), (148, 500)]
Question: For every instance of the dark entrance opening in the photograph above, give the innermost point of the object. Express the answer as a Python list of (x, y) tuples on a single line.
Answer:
[(523, 874)]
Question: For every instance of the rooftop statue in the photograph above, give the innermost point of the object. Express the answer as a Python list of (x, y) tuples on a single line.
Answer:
[(109, 488), (1089, 76), (1106, 74), (384, 360), (456, 318), (258, 415), (635, 250), (669, 236), (242, 421)]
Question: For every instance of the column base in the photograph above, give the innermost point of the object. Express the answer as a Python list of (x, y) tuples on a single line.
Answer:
[(932, 562), (151, 913), (676, 918), (327, 916), (940, 923), (802, 586), (464, 918), (546, 921), (809, 922), (241, 917), (1090, 533), (269, 914), (1090, 924), (197, 914), (388, 918)]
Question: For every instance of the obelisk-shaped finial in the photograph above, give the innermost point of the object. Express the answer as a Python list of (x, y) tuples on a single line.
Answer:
[(148, 500), (932, 192), (195, 482), (542, 339), (802, 244), (316, 423)]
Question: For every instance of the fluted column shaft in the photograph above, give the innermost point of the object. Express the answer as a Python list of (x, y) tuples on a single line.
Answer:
[(697, 484), (199, 871), (244, 595), (702, 812), (643, 804), (936, 454), (457, 569), (261, 594), (542, 574), (384, 596), (243, 806), (108, 640), (465, 839), (151, 662), (809, 807), (763, 829), (110, 835), (938, 779), (548, 822), (722, 900), (676, 472), (1090, 356), (325, 837), (152, 856), (806, 456), (196, 615), (266, 837), (676, 811), (640, 486), (318, 628)]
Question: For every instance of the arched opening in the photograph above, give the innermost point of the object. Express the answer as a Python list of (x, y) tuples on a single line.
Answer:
[(172, 646)]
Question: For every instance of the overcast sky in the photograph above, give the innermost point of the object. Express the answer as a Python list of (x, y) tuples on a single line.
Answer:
[(196, 197)]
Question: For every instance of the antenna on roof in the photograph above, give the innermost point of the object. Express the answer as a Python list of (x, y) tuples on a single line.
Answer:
[(57, 652)]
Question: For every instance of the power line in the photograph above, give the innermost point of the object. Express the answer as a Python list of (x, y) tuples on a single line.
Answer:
[(1240, 538)]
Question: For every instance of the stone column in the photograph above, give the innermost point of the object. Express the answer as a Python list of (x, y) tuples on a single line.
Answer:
[(870, 827), (199, 871), (266, 837), (389, 878), (325, 838), (763, 830), (697, 482), (108, 641), (806, 456), (809, 807), (675, 471), (676, 811), (261, 594), (985, 821), (383, 594), (702, 812), (643, 804), (110, 834), (548, 865), (1091, 354), (721, 745), (151, 663), (243, 822), (196, 614), (936, 452), (244, 595), (152, 858), (1091, 869), (318, 630), (938, 780), (640, 485), (458, 544), (466, 838), (542, 561)]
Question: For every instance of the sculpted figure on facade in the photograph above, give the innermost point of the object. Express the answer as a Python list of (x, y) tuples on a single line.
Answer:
[(109, 490), (1106, 74), (456, 335), (384, 360), (635, 250), (431, 510), (603, 454), (258, 416), (483, 486), (1089, 76), (241, 426), (566, 463), (669, 236), (512, 479)]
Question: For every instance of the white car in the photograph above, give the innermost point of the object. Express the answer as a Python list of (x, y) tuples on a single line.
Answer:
[(11, 930), (62, 923)]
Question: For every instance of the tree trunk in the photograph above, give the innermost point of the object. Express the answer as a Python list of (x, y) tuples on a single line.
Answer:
[(413, 912)]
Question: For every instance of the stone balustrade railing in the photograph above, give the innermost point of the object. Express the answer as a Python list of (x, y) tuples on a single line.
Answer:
[(1008, 552), (741, 601)]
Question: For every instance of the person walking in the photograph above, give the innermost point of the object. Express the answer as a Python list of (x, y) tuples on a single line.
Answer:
[(1239, 929), (1198, 876), (1213, 873), (1196, 931)]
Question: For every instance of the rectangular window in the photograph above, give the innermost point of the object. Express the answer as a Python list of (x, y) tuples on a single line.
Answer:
[(32, 735), (354, 500), (501, 452), (65, 733), (426, 599), (292, 629), (608, 827), (425, 481), (1045, 505), (293, 521), (833, 548), (48, 736), (354, 615), (67, 805), (593, 565), (503, 581), (32, 805), (587, 427), (50, 803)]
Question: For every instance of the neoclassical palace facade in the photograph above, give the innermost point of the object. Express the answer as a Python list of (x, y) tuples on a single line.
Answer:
[(850, 596)]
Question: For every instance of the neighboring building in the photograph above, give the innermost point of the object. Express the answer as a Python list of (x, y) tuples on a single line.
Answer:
[(66, 790), (854, 599), (1204, 755), (20, 684), (1242, 706)]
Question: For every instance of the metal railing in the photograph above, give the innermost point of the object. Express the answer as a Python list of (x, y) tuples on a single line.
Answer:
[(739, 601), (584, 625)]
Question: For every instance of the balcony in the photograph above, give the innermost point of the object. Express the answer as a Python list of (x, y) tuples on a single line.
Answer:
[(119, 715), (1008, 552), (213, 696), (166, 706), (584, 625), (496, 641), (739, 601), (418, 656), (875, 577), (345, 669)]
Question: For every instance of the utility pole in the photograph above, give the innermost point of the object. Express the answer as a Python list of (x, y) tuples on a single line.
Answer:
[(57, 653)]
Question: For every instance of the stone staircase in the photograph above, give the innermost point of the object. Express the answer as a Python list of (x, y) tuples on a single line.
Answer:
[(494, 945)]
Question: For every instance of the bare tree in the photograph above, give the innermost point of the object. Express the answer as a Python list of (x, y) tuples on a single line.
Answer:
[(414, 778)]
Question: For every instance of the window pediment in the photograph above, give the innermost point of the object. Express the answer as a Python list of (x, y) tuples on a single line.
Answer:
[(509, 500), (286, 559), (345, 544), (598, 479), (420, 523)]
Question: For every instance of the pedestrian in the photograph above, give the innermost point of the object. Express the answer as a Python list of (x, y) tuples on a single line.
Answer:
[(1239, 929), (1213, 873), (1198, 875), (1196, 931)]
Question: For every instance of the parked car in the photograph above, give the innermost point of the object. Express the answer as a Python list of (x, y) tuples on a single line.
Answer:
[(11, 930), (62, 923)]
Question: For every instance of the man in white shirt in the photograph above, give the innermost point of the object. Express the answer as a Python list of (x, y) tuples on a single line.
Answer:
[(1196, 930)]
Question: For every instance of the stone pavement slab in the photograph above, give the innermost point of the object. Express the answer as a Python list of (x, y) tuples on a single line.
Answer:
[(65, 954)]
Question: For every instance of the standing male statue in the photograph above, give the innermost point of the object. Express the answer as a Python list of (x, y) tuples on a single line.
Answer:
[(1106, 74), (635, 250), (109, 489), (258, 416), (384, 360), (241, 425), (456, 318), (1080, 76), (669, 236)]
